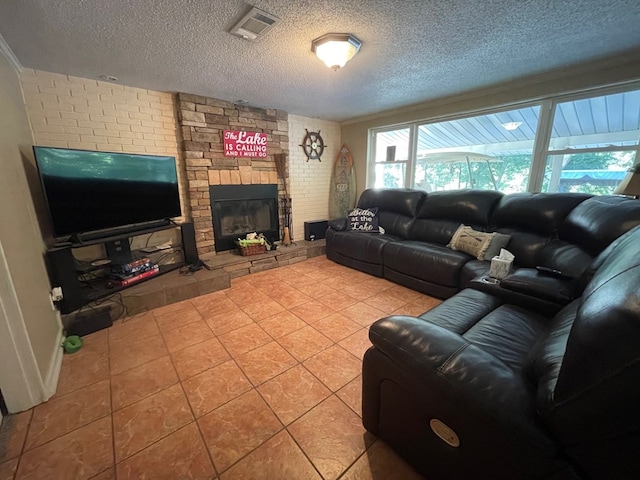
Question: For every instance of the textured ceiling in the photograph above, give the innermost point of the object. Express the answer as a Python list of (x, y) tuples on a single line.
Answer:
[(413, 50)]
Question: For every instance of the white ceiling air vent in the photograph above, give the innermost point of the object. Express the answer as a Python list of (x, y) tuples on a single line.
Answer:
[(254, 24)]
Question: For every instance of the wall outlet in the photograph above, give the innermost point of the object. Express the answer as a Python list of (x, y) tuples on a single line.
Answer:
[(56, 294)]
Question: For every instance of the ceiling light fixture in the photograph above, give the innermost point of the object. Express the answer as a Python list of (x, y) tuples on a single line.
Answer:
[(336, 49), (108, 78), (511, 125)]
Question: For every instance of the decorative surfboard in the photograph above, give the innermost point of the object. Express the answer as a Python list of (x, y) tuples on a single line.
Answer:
[(342, 195)]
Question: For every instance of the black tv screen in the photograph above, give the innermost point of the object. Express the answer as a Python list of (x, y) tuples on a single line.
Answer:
[(88, 191)]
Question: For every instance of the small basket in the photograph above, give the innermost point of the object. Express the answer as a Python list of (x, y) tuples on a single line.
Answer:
[(254, 249)]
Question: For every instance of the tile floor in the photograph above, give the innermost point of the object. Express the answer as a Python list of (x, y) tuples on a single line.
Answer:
[(261, 380)]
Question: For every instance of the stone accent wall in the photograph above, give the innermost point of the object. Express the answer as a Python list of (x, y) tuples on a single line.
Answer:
[(202, 121)]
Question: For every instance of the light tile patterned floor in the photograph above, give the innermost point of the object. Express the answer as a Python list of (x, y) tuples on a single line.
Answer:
[(259, 381)]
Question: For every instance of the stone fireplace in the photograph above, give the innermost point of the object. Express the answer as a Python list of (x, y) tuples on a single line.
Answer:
[(202, 121), (241, 209)]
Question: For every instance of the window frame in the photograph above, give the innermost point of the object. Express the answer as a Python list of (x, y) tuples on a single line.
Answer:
[(545, 151), (541, 151), (411, 155)]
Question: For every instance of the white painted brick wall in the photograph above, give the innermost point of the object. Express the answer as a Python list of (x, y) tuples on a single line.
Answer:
[(73, 112), (310, 181)]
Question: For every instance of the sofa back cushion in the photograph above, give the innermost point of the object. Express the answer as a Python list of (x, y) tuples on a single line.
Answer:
[(545, 358), (566, 257), (598, 221), (532, 219), (587, 231), (441, 213), (541, 213), (600, 372), (396, 208)]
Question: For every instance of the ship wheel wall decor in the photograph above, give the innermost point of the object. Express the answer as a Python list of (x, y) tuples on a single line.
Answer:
[(313, 145)]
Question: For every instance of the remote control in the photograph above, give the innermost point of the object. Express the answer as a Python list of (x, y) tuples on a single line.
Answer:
[(549, 271)]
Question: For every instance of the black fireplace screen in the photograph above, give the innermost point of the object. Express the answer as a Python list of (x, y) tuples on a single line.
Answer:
[(242, 216), (241, 209)]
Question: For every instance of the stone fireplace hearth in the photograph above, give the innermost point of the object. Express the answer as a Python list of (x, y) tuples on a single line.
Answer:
[(202, 121)]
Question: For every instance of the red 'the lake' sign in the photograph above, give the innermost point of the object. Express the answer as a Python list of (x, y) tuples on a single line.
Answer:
[(245, 144)]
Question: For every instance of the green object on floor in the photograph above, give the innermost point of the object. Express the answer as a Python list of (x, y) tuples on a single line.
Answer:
[(72, 344)]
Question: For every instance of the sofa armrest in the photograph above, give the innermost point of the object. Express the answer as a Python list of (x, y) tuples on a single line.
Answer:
[(338, 224), (529, 281), (462, 372)]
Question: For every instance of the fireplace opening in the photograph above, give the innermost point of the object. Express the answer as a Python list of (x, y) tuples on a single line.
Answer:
[(240, 209)]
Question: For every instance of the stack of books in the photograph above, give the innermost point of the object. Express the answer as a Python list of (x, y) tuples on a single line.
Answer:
[(131, 272)]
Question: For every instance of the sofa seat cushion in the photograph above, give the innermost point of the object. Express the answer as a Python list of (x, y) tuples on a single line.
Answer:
[(365, 247), (507, 332), (432, 263), (462, 311)]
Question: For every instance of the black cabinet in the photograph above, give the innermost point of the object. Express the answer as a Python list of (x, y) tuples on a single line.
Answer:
[(83, 282)]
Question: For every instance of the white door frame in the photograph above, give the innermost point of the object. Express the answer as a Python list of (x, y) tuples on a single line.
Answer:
[(20, 379)]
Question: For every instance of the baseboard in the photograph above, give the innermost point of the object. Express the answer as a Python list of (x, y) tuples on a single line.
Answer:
[(55, 365)]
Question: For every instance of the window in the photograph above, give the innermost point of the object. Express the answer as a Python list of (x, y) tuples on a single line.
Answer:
[(593, 143), (573, 144), (391, 158), (487, 152)]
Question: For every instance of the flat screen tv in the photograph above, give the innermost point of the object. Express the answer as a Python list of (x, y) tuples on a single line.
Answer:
[(89, 191)]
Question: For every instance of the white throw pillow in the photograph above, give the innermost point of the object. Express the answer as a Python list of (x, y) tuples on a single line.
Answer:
[(481, 245)]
